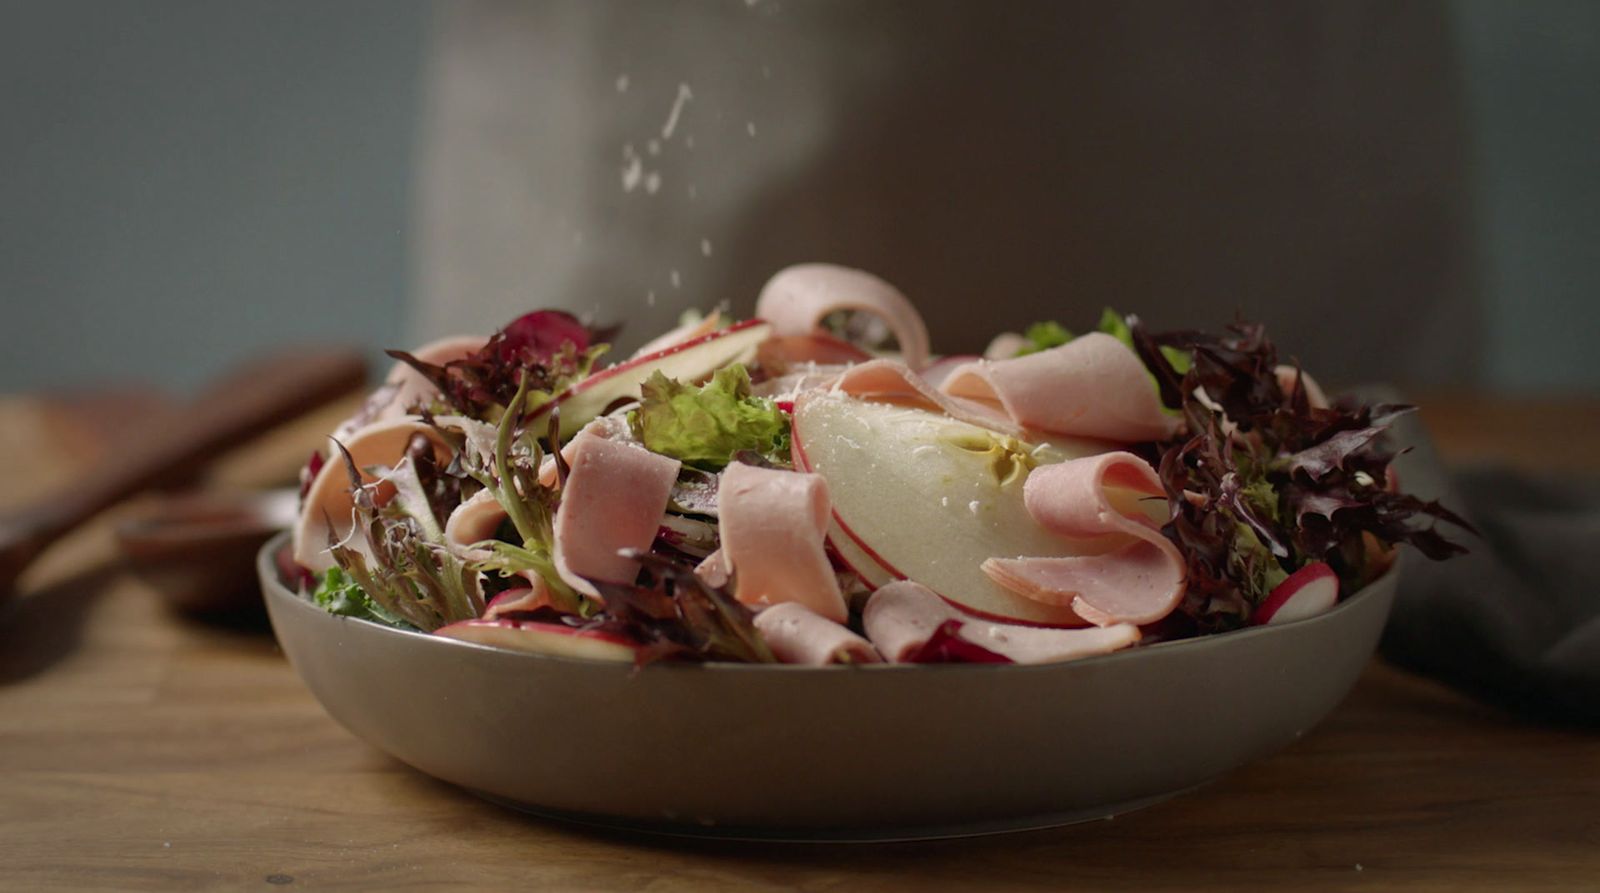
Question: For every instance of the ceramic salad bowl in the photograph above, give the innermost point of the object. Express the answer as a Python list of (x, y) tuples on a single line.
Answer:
[(843, 752)]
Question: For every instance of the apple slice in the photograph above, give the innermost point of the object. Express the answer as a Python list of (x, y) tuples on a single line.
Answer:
[(919, 495), (856, 559), (690, 361), (1306, 593), (542, 638)]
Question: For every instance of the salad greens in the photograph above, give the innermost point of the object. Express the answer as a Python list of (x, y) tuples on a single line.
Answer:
[(1263, 482), (412, 575), (707, 426), (508, 466), (1260, 481), (541, 353), (677, 615), (339, 594), (1043, 336)]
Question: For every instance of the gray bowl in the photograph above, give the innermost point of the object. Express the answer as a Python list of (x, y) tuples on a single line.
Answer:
[(873, 753)]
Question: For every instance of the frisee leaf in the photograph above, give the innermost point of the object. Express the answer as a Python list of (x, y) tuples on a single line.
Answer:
[(706, 426)]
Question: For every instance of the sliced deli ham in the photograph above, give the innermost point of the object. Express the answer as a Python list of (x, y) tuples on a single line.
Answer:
[(613, 500), (797, 635), (887, 381), (1092, 386), (472, 522), (404, 386), (799, 298), (773, 524), (901, 617), (1140, 579)]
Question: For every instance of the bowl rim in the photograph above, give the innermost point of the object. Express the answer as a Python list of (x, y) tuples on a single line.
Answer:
[(275, 590)]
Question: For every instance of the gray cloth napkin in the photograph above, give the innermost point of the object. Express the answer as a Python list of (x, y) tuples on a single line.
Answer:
[(1516, 622)]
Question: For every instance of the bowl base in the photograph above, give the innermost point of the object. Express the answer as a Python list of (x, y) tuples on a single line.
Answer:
[(780, 834)]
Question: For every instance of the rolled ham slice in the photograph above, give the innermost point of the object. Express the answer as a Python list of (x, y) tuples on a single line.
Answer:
[(797, 635), (473, 521), (781, 354), (1092, 386), (613, 500), (773, 524), (940, 369), (888, 381), (902, 616), (404, 385), (799, 298), (713, 570), (329, 500), (1090, 499)]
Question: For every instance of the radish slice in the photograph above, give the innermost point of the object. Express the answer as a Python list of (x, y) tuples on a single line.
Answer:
[(1306, 593)]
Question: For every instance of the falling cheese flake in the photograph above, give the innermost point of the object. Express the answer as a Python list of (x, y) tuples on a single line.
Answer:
[(653, 147), (652, 182), (632, 174), (622, 83), (750, 128), (650, 299), (684, 95), (705, 247), (677, 281)]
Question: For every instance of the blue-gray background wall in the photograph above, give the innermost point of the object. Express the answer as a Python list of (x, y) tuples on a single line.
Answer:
[(184, 182)]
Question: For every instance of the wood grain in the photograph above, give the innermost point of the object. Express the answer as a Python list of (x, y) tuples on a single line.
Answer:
[(141, 751)]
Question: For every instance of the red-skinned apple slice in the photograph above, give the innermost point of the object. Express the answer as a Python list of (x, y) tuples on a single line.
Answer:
[(915, 496), (1306, 593), (689, 361), (542, 638)]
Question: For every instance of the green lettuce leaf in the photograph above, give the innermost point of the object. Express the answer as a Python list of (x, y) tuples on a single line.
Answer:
[(705, 426), (338, 593), (1114, 324), (1043, 336)]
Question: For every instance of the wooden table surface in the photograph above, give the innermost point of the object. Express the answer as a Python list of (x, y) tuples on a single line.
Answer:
[(140, 750)]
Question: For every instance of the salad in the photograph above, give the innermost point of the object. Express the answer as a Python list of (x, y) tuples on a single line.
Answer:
[(816, 486)]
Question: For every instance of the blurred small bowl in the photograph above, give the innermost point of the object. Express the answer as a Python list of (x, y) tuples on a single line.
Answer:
[(199, 549)]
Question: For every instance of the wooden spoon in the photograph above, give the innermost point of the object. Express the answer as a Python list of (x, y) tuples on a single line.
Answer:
[(251, 400)]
